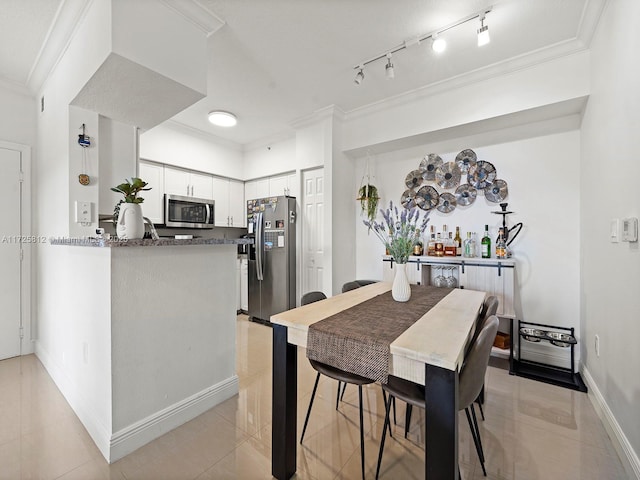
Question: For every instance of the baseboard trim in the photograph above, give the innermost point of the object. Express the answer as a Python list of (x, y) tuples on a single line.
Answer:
[(99, 433), (620, 441), (140, 433)]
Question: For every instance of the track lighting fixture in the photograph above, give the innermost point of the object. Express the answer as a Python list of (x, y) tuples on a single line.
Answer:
[(483, 33), (438, 44), (389, 68)]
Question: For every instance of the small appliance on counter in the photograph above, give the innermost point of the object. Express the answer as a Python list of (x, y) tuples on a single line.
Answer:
[(271, 222)]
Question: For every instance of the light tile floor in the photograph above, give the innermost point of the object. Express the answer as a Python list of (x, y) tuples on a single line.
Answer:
[(532, 431)]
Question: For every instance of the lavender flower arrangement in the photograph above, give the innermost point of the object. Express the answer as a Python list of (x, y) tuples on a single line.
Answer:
[(399, 232)]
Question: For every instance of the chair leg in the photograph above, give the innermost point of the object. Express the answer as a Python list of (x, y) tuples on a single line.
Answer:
[(344, 387), (361, 430), (475, 422), (338, 394), (480, 401), (393, 399), (476, 440), (313, 395), (384, 432), (407, 419), (481, 410), (395, 422)]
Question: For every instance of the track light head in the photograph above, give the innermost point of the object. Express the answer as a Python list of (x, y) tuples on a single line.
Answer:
[(438, 44), (359, 77), (389, 68), (483, 33)]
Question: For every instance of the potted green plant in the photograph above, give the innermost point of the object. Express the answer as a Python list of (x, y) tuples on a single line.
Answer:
[(128, 212), (368, 197)]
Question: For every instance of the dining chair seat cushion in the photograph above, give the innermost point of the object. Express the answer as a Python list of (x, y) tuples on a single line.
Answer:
[(338, 374), (409, 392)]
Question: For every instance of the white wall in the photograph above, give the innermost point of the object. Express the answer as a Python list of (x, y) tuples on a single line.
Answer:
[(175, 145), (271, 159), (544, 193), (17, 117), (609, 183)]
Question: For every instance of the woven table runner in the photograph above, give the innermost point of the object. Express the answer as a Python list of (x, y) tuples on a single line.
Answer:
[(357, 340)]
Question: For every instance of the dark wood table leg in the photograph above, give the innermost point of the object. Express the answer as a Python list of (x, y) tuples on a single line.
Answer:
[(441, 461), (284, 405)]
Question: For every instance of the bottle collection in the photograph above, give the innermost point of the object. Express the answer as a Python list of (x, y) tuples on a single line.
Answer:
[(446, 244)]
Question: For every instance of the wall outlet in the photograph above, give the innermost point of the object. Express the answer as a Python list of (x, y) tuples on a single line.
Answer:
[(597, 345), (83, 212)]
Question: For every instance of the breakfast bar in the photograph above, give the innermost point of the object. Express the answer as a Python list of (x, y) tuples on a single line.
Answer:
[(430, 352)]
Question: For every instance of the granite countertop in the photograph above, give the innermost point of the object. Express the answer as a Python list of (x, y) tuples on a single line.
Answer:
[(145, 242)]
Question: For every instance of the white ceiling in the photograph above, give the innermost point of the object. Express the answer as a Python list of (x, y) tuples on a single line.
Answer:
[(276, 61)]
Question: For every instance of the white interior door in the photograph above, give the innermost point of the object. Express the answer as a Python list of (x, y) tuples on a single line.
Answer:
[(313, 231), (10, 238)]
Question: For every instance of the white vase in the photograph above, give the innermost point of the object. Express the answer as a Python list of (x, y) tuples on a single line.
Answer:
[(401, 289), (130, 224)]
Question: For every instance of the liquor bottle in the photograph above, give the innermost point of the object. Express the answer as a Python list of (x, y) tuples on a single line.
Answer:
[(431, 245), (439, 246), (485, 244), (501, 246), (417, 248), (469, 247), (450, 246), (458, 241)]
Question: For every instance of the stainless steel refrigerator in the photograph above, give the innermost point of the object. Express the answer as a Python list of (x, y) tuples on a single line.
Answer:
[(272, 258)]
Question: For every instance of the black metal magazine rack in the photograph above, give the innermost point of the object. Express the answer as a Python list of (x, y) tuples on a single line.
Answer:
[(560, 337)]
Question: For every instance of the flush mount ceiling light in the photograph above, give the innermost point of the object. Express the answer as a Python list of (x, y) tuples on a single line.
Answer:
[(483, 33), (389, 68), (222, 118), (437, 44)]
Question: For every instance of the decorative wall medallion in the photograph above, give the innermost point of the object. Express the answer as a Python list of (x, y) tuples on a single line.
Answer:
[(481, 174), (428, 166), (466, 194), (408, 199), (447, 203), (466, 159), (448, 175), (413, 179), (497, 191), (427, 197)]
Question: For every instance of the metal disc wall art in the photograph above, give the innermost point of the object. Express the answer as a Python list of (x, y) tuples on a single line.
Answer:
[(466, 159), (497, 191), (428, 166), (447, 203), (481, 175), (466, 194), (448, 175), (427, 197), (413, 179), (408, 199)]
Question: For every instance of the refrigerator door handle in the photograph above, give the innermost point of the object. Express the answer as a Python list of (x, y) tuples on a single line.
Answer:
[(259, 224)]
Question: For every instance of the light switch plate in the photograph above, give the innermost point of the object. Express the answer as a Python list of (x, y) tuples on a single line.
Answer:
[(615, 229), (630, 229), (83, 212)]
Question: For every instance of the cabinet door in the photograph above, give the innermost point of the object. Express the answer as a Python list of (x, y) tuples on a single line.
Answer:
[(201, 186), (152, 207), (176, 182), (237, 207), (486, 279), (238, 284), (292, 185), (250, 190), (262, 189), (277, 185), (244, 285), (221, 196)]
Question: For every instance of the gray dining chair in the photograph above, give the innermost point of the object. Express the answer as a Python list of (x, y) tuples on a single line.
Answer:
[(489, 308), (356, 284), (335, 373), (471, 381)]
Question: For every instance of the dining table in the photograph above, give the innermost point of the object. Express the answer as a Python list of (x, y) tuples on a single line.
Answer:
[(429, 352)]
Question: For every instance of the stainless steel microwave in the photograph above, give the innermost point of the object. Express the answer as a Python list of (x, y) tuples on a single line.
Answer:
[(188, 212)]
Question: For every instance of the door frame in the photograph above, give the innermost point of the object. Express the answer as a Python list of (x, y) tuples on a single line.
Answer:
[(300, 248), (27, 273)]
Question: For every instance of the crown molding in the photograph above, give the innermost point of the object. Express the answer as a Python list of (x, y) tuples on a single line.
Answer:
[(196, 132), (197, 14), (591, 15), (15, 87), (331, 111), (56, 42)]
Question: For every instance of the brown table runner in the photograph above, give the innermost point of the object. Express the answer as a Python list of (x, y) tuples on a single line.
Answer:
[(357, 340)]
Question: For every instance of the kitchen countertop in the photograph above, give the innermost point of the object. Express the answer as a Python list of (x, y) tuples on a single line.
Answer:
[(145, 242)]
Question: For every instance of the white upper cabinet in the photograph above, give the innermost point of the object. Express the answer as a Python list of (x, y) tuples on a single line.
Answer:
[(285, 184), (153, 207), (262, 189), (278, 185), (230, 205), (187, 184)]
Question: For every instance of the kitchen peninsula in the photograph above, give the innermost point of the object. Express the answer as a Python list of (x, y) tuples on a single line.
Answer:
[(150, 327)]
